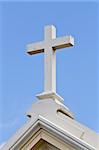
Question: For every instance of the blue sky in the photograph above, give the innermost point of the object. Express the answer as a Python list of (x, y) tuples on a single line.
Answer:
[(22, 76)]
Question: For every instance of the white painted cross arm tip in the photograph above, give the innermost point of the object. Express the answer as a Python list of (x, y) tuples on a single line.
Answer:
[(63, 42), (71, 39), (35, 48)]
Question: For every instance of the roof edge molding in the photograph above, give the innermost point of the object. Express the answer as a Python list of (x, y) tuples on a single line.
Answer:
[(42, 123)]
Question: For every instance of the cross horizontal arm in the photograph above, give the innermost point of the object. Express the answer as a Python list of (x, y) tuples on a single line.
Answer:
[(62, 42), (35, 48)]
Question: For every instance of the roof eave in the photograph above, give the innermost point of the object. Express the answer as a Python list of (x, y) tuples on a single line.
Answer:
[(45, 124)]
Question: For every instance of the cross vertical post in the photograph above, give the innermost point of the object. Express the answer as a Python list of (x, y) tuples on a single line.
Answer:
[(49, 60)]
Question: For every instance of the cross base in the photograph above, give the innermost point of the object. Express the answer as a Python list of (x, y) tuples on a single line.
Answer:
[(50, 95)]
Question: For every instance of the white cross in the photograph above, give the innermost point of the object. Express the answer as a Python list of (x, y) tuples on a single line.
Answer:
[(49, 47)]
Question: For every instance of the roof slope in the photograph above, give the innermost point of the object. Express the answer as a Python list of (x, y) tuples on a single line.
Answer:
[(59, 121)]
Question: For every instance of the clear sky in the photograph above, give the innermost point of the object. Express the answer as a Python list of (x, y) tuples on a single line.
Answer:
[(22, 76)]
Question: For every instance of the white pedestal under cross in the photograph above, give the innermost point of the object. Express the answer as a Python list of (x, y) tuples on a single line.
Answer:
[(49, 47)]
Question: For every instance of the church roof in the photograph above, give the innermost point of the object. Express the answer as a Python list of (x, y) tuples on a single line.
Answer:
[(56, 119)]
